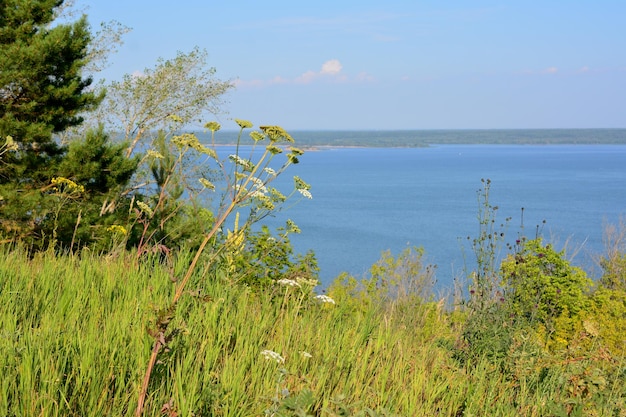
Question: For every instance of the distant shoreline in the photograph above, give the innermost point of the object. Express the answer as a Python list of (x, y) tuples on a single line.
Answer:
[(326, 139)]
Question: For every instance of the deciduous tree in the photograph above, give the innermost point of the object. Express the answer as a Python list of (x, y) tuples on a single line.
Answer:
[(172, 94)]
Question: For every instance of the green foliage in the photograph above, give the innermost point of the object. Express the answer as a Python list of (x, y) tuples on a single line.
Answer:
[(541, 286), (42, 90), (76, 199), (607, 319), (613, 262), (42, 93), (404, 277), (171, 95), (260, 258)]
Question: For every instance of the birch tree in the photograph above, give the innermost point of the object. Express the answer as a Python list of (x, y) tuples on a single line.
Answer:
[(174, 93)]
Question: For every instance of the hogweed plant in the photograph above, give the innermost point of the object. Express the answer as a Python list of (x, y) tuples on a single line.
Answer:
[(247, 183)]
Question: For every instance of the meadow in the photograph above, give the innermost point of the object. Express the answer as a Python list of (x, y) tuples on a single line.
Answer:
[(76, 332)]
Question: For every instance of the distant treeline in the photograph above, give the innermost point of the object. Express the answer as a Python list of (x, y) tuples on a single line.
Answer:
[(423, 138)]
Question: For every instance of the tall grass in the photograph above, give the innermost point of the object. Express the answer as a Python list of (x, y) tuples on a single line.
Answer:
[(75, 335)]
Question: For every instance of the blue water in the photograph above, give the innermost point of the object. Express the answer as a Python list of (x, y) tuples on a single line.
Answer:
[(367, 200)]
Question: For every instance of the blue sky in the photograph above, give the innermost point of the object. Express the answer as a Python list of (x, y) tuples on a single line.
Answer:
[(398, 65)]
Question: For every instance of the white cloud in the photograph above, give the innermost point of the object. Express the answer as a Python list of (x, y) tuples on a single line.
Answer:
[(332, 67), (551, 70), (306, 78), (331, 70)]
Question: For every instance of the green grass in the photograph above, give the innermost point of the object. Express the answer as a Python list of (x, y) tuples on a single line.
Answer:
[(74, 341)]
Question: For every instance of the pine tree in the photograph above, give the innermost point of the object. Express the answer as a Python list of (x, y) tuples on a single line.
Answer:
[(42, 92), (42, 89)]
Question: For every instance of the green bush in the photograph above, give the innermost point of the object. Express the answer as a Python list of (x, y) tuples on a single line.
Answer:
[(543, 290)]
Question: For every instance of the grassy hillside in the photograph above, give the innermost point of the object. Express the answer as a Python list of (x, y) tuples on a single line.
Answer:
[(76, 338)]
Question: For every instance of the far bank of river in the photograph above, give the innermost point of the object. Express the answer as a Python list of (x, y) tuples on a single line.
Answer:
[(424, 138)]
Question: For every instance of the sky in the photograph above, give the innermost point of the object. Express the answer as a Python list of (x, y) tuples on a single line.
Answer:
[(398, 64)]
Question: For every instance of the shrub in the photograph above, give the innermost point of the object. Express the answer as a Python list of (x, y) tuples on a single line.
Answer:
[(542, 289)]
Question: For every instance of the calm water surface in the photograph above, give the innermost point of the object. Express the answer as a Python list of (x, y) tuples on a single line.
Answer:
[(366, 200)]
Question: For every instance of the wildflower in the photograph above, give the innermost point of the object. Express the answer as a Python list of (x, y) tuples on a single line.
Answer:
[(274, 150), (10, 144), (246, 164), (175, 118), (213, 126), (257, 194), (287, 282), (276, 133), (305, 354), (324, 299), (293, 159), (257, 136), (116, 229), (207, 151), (292, 227), (239, 189), (307, 282), (67, 185), (183, 140), (271, 355), (266, 202), (277, 196), (144, 208), (243, 123), (305, 193), (269, 171), (206, 183), (154, 154), (296, 151), (299, 184), (260, 186)]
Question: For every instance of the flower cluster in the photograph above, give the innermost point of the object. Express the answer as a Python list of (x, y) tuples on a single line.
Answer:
[(154, 154), (324, 299), (10, 145), (246, 164), (288, 282), (302, 187), (271, 355), (257, 136), (66, 185), (116, 229), (212, 126), (244, 124), (305, 193), (292, 227), (206, 183), (145, 208), (276, 133), (190, 140)]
